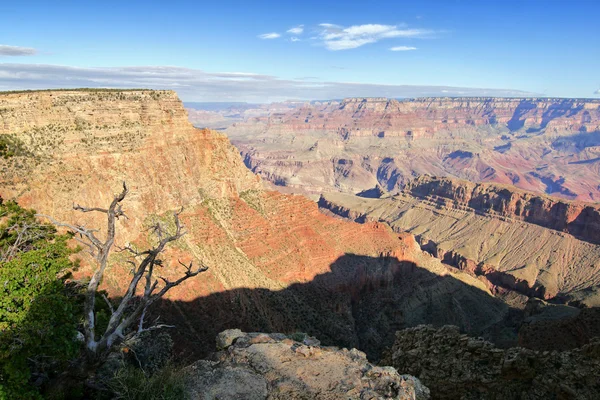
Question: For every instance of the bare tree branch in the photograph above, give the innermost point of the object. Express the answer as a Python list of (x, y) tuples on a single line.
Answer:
[(124, 315), (110, 306), (77, 207), (26, 235), (81, 230)]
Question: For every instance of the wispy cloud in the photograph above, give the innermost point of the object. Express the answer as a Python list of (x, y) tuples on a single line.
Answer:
[(597, 91), (271, 35), (197, 85), (6, 50), (294, 39), (402, 48), (296, 30), (336, 37)]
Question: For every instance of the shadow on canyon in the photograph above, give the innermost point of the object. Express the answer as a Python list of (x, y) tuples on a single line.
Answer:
[(578, 142), (361, 303)]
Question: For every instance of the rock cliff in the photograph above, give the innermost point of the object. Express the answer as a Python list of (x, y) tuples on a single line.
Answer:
[(414, 118), (516, 240), (549, 146), (579, 219)]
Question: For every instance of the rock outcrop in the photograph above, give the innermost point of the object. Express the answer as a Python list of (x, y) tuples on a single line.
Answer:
[(257, 366), (549, 146), (456, 366), (558, 327)]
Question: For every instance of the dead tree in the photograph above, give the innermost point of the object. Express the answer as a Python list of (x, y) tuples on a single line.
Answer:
[(132, 307), (26, 234)]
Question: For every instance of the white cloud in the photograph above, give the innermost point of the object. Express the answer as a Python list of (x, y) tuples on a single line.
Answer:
[(336, 37), (597, 91), (6, 50), (329, 26), (294, 39), (198, 85), (346, 44), (296, 30), (402, 48), (272, 35)]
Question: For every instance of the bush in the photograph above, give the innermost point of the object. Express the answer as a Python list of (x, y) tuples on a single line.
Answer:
[(298, 336), (131, 383), (38, 315), (150, 350), (11, 146)]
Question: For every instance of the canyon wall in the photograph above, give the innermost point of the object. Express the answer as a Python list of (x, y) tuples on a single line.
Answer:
[(533, 244), (579, 219), (544, 145), (422, 117), (275, 262)]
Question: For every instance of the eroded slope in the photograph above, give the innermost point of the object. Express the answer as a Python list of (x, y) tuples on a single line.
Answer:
[(478, 228)]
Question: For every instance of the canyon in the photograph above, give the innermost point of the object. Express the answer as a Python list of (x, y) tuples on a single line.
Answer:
[(350, 270), (276, 264), (544, 145), (498, 187)]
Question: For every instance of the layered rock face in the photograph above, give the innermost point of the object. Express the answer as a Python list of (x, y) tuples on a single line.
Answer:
[(513, 239), (578, 219), (549, 146), (422, 117), (456, 366), (275, 263), (274, 366), (82, 143)]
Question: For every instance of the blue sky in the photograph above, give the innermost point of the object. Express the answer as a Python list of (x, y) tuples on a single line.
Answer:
[(211, 51)]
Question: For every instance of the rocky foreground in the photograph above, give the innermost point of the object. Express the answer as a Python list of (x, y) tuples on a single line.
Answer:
[(456, 366), (256, 366), (543, 145)]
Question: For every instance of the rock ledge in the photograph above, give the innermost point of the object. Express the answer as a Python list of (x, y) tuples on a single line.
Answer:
[(274, 366)]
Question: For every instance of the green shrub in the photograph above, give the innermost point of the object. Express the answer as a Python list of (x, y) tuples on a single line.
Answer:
[(38, 315), (10, 146), (150, 350)]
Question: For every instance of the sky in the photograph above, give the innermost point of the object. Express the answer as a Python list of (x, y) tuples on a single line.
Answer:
[(263, 51)]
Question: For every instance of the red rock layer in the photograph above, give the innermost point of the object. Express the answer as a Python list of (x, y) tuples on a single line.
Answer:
[(427, 116)]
